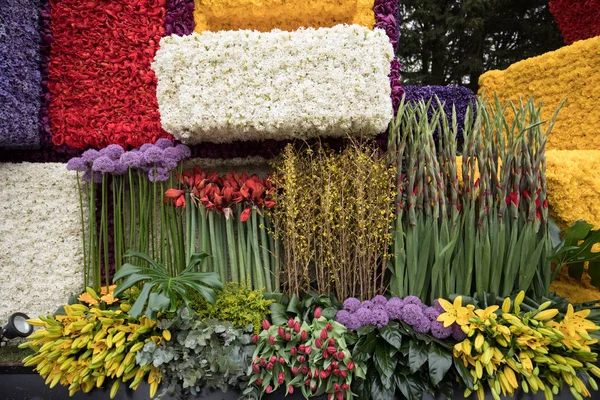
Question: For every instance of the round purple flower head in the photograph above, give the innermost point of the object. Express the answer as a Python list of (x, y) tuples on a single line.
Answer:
[(90, 155), (438, 331), (112, 151), (120, 168), (411, 313), (153, 155), (431, 313), (422, 325), (352, 323), (168, 163), (367, 304), (145, 146), (103, 164), (394, 308), (438, 306), (380, 317), (457, 333), (184, 150), (364, 317), (77, 164), (87, 176), (343, 317), (163, 143), (158, 174), (131, 159), (413, 300), (351, 304), (379, 300)]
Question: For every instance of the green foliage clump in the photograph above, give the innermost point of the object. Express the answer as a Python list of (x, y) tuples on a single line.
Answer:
[(236, 304)]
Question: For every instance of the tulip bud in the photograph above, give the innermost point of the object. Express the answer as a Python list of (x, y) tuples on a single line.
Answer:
[(324, 334), (325, 354), (269, 389), (263, 362), (297, 327), (339, 396), (281, 378), (255, 339), (336, 387), (313, 387), (323, 374), (345, 386), (288, 337), (258, 381), (351, 365), (270, 366), (332, 342), (318, 312), (340, 355), (328, 327), (301, 348), (302, 359), (273, 359), (303, 336), (336, 372), (271, 340), (307, 382), (331, 349), (265, 324), (308, 349), (281, 331), (256, 368), (281, 360), (305, 370), (343, 373), (334, 364), (294, 351), (295, 370), (290, 389), (318, 343), (291, 323)]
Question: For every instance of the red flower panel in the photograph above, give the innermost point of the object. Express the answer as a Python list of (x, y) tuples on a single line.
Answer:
[(577, 19)]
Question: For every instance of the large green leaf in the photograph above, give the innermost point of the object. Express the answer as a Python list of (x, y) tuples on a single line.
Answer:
[(195, 259), (278, 315), (439, 363), (384, 359), (129, 282), (378, 391), (145, 257), (409, 387), (157, 302), (392, 335), (207, 278), (138, 306), (126, 270), (417, 355), (464, 373), (366, 344)]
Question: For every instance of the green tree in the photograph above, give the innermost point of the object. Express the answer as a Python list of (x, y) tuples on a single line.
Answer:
[(454, 41)]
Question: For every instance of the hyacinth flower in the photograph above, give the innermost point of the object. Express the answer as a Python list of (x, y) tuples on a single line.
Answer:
[(227, 217), (475, 223), (126, 187)]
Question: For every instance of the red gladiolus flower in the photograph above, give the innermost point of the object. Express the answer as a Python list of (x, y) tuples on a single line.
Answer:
[(513, 198)]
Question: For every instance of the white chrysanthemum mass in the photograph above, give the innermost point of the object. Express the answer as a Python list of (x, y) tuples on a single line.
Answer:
[(248, 85), (41, 260)]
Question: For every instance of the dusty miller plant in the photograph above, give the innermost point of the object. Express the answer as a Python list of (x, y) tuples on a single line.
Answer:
[(202, 354)]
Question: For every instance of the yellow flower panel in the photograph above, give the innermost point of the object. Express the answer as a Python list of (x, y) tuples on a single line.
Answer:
[(574, 186), (570, 72), (265, 15)]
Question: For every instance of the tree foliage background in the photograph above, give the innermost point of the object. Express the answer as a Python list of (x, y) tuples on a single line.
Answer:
[(454, 41)]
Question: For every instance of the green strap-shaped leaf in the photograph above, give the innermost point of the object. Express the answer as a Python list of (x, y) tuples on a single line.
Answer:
[(138, 306)]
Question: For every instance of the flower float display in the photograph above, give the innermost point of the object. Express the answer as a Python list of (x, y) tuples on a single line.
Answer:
[(247, 85), (101, 85), (20, 78), (216, 15), (577, 19), (41, 251), (179, 18), (506, 349), (568, 73), (94, 345)]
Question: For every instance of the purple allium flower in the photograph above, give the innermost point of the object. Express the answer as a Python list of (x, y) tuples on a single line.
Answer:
[(87, 177), (131, 159), (184, 150), (379, 300), (364, 317), (411, 313), (120, 168), (343, 317), (103, 164), (380, 317), (457, 333), (352, 323), (438, 306), (158, 174), (77, 164), (422, 325), (413, 300), (173, 153), (90, 155), (394, 308), (367, 304), (153, 155), (169, 163), (438, 331), (112, 151), (431, 313), (145, 146), (351, 304), (163, 143)]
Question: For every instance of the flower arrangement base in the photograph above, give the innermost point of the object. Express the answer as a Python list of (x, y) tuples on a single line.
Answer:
[(22, 383)]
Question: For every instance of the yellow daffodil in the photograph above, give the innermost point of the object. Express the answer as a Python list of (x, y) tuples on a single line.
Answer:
[(455, 312)]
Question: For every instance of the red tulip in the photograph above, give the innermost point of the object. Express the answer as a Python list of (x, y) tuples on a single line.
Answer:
[(256, 368), (324, 334), (265, 324), (351, 365), (255, 339), (269, 389), (318, 312), (290, 389)]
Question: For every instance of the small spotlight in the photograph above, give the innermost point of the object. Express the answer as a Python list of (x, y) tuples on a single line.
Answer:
[(17, 326)]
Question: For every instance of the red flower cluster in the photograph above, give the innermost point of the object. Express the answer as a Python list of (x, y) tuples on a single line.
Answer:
[(222, 193), (576, 19), (103, 89)]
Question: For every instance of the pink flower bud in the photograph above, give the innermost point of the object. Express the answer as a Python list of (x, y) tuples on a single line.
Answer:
[(281, 360), (328, 327), (340, 355), (324, 334), (269, 389), (345, 386), (263, 362), (291, 323), (343, 373), (318, 343), (332, 342), (303, 336), (281, 331), (290, 389), (273, 359), (305, 370), (295, 370), (325, 354), (265, 324), (351, 365), (339, 396), (296, 326), (307, 349), (256, 368), (255, 339), (336, 387), (258, 381), (318, 312), (271, 340), (331, 349), (294, 351), (302, 359), (270, 366), (323, 374)]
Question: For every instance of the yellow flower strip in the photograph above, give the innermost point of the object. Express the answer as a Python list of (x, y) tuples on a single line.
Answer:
[(265, 15), (571, 72)]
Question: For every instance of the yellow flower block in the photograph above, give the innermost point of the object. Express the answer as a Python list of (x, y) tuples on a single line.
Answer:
[(570, 72), (574, 186), (265, 15)]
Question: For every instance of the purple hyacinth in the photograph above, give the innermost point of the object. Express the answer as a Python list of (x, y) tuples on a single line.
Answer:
[(131, 159), (364, 317), (367, 304), (77, 164), (158, 174), (394, 308), (351, 304), (104, 165), (163, 143), (380, 317), (90, 155), (431, 313), (438, 331), (379, 300), (112, 151)]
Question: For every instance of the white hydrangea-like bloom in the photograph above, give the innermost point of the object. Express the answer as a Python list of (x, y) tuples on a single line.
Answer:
[(41, 259), (249, 85)]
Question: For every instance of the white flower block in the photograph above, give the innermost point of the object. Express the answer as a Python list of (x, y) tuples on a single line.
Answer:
[(247, 85), (41, 259)]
